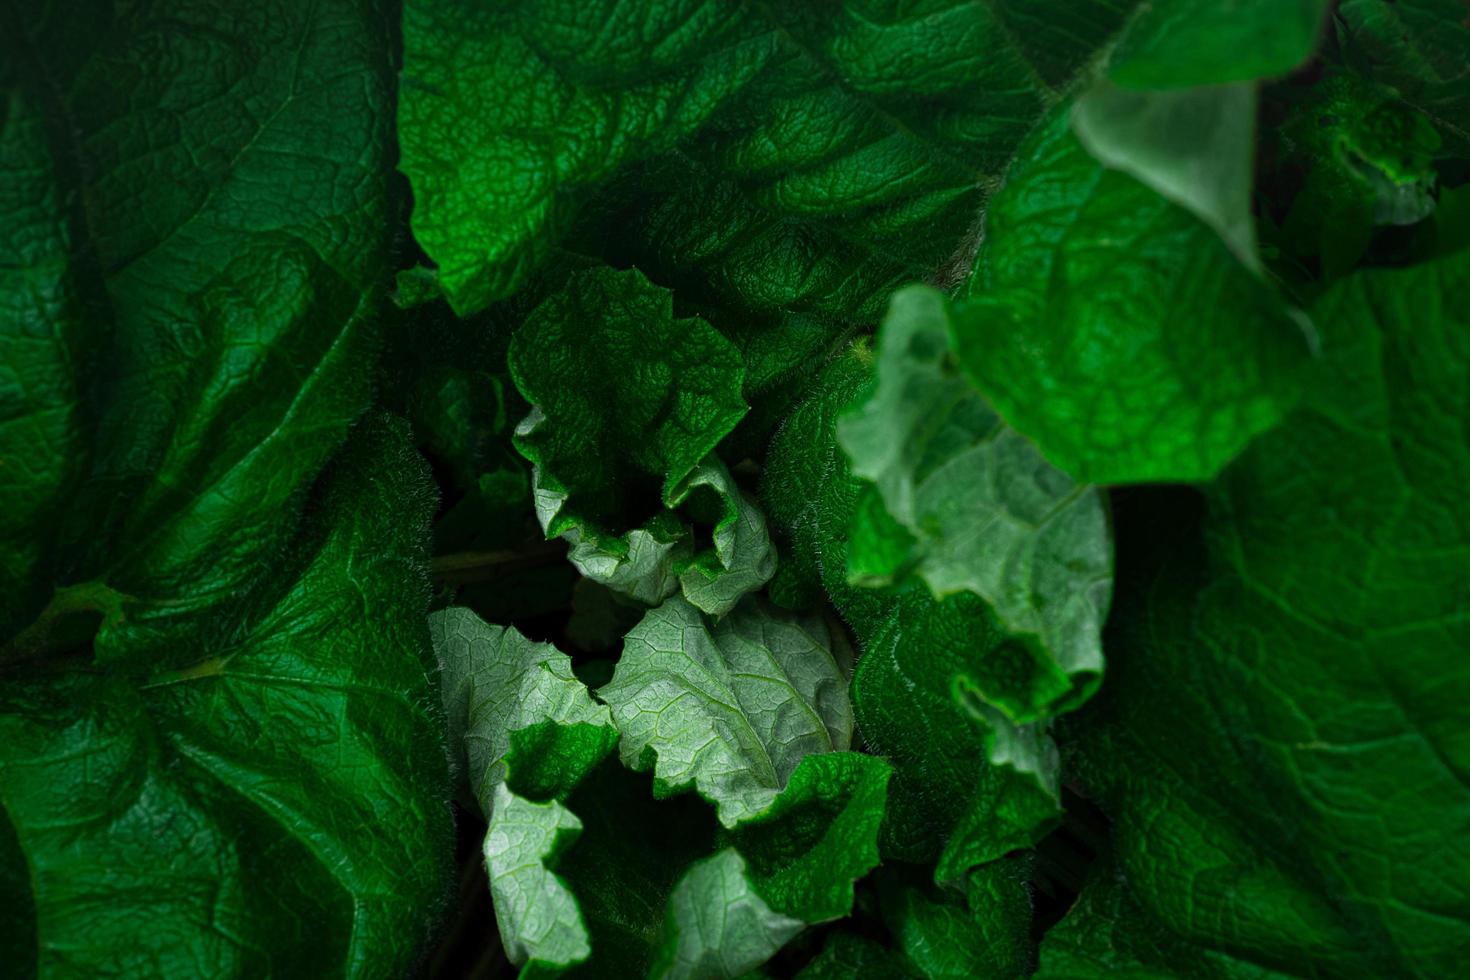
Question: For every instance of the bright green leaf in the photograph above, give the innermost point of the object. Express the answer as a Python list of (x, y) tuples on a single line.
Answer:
[(718, 926), (1116, 329), (730, 708), (498, 685), (977, 508), (540, 924)]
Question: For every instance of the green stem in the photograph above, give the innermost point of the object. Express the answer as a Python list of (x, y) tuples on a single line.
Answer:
[(69, 623)]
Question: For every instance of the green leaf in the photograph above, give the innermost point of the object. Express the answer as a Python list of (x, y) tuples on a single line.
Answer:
[(730, 708), (954, 798), (945, 801), (499, 690), (196, 199), (809, 494), (814, 157), (1368, 162), (540, 923), (652, 892), (528, 713), (809, 845), (818, 836), (718, 925), (1026, 749), (1176, 44), (1177, 109), (632, 851), (639, 565), (846, 956), (1116, 329), (529, 733), (628, 401), (1282, 748), (652, 562), (984, 933), (1106, 934), (742, 557), (274, 806), (810, 842), (1195, 146), (971, 506), (1421, 49), (488, 91)]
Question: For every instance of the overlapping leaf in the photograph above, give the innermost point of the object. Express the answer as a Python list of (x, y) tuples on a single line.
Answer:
[(730, 708), (661, 227), (983, 931), (955, 800), (945, 801), (718, 926), (1369, 164), (1176, 108), (275, 804), (628, 401), (804, 816), (652, 562), (852, 145), (818, 836), (195, 204), (809, 494), (969, 505), (1088, 276), (501, 691), (629, 405), (1139, 257), (1282, 746), (1421, 49), (514, 708)]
